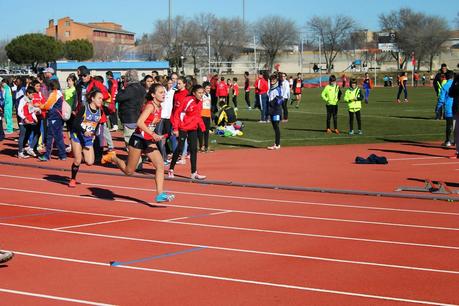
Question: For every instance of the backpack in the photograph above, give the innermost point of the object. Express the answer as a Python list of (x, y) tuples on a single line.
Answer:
[(66, 111)]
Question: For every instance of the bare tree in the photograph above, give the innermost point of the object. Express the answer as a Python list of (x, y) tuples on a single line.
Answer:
[(146, 47), (334, 34), (195, 41), (3, 56), (106, 51), (275, 33), (416, 33)]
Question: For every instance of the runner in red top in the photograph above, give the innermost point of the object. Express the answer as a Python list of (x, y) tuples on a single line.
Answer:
[(235, 93), (144, 139), (297, 89)]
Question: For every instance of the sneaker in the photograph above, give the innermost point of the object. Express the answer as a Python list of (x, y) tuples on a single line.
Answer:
[(274, 147), (446, 144), (398, 100), (250, 108), (235, 109), (360, 132), (406, 101), (167, 162), (22, 155), (164, 197), (196, 176), (328, 131), (336, 131), (62, 158), (351, 132), (170, 173), (72, 183), (181, 161), (5, 256), (31, 152), (68, 149), (114, 128), (43, 158), (107, 158)]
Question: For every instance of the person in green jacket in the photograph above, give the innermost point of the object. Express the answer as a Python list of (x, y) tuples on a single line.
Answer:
[(8, 110), (353, 97), (331, 95)]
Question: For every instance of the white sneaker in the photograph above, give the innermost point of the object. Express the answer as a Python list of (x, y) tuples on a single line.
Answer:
[(31, 152), (22, 155), (274, 147), (68, 149), (170, 173), (446, 144), (181, 161), (196, 176), (114, 128)]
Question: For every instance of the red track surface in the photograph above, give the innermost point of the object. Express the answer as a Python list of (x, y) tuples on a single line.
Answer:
[(231, 245)]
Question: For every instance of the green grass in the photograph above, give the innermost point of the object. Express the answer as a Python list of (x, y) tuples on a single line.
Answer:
[(382, 120)]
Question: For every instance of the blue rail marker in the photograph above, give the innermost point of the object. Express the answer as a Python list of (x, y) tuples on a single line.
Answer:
[(127, 263)]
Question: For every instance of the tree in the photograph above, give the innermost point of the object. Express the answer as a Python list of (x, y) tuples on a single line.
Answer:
[(275, 33), (33, 49), (78, 50), (334, 34), (416, 32), (106, 51), (3, 56)]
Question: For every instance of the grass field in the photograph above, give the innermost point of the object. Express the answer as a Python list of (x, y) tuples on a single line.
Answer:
[(382, 120)]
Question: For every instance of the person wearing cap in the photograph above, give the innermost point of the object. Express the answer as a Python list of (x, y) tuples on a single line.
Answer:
[(111, 109), (353, 97), (331, 95), (84, 86)]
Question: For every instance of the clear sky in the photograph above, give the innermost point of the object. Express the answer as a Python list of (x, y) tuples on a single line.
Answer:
[(139, 15)]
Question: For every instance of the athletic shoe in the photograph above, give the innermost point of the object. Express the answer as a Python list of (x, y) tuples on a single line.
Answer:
[(235, 109), (72, 183), (167, 163), (31, 152), (164, 197), (274, 147), (107, 158), (43, 158), (196, 176), (181, 161), (22, 155), (170, 173), (336, 131), (351, 132), (250, 108), (62, 158), (360, 132), (398, 100), (328, 131), (455, 156), (68, 149), (406, 101), (114, 128), (5, 256), (446, 144)]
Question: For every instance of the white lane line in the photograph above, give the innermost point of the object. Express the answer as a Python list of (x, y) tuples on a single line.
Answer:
[(238, 280), (434, 164), (253, 199), (52, 297), (353, 262), (250, 212), (416, 158), (244, 229), (95, 223), (199, 216)]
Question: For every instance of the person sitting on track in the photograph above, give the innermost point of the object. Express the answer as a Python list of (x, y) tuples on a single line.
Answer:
[(144, 139), (83, 132)]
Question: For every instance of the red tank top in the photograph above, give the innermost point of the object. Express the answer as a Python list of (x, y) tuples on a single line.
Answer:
[(151, 122)]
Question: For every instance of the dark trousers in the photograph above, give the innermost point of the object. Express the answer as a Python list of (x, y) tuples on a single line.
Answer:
[(54, 134), (235, 101), (449, 129), (276, 131), (332, 110), (25, 130), (165, 127), (247, 98), (285, 109), (113, 118), (203, 137), (2, 133), (192, 146), (213, 102), (263, 107), (351, 120), (405, 92)]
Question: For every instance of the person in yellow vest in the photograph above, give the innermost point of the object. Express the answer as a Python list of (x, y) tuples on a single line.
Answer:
[(439, 85), (353, 97), (331, 95)]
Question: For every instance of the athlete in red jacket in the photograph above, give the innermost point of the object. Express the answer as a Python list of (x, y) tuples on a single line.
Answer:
[(222, 89)]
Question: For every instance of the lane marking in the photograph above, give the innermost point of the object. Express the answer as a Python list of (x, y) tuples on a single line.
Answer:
[(239, 280), (131, 262), (199, 216), (29, 215), (247, 212), (434, 164), (416, 158), (365, 263), (252, 199), (95, 223), (243, 229), (52, 297)]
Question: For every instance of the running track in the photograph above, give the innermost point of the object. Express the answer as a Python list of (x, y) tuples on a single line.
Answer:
[(230, 245)]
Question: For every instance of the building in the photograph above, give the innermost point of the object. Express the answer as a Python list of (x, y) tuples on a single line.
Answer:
[(96, 32)]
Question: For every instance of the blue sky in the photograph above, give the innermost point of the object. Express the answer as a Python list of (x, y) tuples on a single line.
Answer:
[(139, 15)]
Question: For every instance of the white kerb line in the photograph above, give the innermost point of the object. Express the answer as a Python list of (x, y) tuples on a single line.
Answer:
[(95, 223)]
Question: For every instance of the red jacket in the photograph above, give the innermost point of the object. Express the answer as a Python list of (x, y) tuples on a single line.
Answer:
[(27, 114), (113, 90), (222, 89), (179, 96), (235, 89), (105, 95), (188, 116), (261, 86)]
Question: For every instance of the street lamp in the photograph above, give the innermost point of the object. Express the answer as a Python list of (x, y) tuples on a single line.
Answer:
[(181, 65)]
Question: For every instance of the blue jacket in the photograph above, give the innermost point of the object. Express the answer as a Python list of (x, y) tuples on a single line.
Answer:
[(445, 100)]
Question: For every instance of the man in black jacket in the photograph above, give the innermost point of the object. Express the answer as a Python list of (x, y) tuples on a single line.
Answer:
[(130, 100), (454, 93), (437, 80)]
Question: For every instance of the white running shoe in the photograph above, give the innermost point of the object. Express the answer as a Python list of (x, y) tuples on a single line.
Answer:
[(274, 147), (31, 152), (196, 176), (22, 155), (170, 173), (114, 128)]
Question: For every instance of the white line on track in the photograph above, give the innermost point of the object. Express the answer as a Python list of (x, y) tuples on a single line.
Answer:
[(51, 297), (238, 280), (366, 263), (95, 223), (434, 164), (415, 158), (246, 212), (191, 217), (250, 199)]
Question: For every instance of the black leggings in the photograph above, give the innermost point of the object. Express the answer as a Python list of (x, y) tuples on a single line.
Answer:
[(351, 120), (276, 131), (203, 137), (247, 98), (332, 110), (449, 129), (235, 101), (285, 109), (192, 146)]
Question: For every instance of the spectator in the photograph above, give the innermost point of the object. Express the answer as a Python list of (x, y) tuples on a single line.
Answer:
[(446, 102), (8, 106), (112, 85), (275, 109), (331, 95), (247, 89), (438, 78), (454, 93), (367, 86), (285, 85), (261, 96), (203, 136), (28, 123), (2, 105), (402, 82), (235, 88), (353, 98)]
